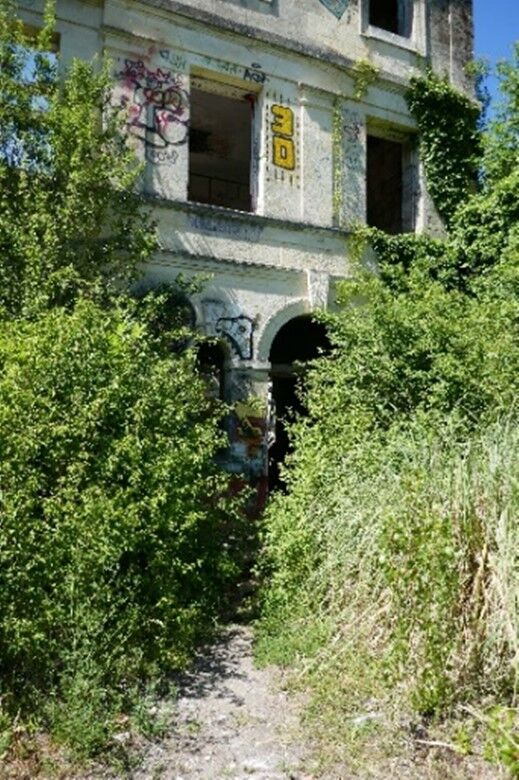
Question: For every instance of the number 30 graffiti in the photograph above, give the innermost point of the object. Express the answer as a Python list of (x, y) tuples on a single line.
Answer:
[(283, 147)]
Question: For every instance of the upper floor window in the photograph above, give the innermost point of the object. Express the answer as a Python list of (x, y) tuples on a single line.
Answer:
[(391, 15), (220, 145), (391, 184)]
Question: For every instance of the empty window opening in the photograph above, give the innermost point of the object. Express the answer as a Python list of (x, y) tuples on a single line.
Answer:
[(220, 148), (300, 340), (385, 184), (391, 15)]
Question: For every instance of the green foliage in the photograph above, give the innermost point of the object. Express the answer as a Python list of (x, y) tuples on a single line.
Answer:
[(483, 225), (390, 566), (70, 220), (503, 737), (365, 73), (392, 570), (113, 551), (502, 140), (118, 536), (449, 141)]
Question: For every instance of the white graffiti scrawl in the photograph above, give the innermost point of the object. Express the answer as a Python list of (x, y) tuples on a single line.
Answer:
[(158, 111)]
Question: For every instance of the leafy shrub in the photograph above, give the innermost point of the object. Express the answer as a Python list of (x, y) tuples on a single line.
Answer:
[(118, 536), (394, 551), (114, 553)]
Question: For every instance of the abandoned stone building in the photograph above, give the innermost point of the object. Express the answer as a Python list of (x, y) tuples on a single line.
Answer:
[(264, 142)]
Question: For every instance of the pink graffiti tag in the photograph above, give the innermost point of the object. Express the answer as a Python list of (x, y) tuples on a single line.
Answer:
[(157, 108)]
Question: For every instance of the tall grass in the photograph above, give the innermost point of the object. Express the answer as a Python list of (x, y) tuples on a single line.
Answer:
[(399, 579)]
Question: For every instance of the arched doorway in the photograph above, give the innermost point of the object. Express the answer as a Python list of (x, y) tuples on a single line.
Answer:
[(300, 340)]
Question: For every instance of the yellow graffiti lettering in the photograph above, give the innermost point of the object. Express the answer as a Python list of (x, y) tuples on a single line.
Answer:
[(284, 121), (284, 153), (283, 146)]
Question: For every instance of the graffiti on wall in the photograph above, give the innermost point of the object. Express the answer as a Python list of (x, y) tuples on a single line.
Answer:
[(353, 142), (175, 60), (158, 109), (337, 7), (353, 173), (239, 331), (283, 146), (255, 74), (232, 228)]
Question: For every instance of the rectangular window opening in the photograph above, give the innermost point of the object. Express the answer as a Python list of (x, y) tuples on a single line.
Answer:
[(390, 185), (391, 15), (220, 145)]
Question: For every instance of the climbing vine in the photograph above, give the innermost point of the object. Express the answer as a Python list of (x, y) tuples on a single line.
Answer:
[(451, 149), (450, 145), (392, 522), (364, 75)]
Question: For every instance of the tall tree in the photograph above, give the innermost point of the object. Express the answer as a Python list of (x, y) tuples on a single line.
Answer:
[(70, 216)]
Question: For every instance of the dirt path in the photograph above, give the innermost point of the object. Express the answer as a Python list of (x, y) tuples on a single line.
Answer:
[(231, 721)]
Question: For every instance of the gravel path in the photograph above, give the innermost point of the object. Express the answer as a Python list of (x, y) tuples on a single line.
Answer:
[(231, 721)]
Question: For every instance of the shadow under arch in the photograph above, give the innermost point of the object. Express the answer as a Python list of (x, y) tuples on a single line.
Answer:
[(213, 358), (295, 309), (299, 340)]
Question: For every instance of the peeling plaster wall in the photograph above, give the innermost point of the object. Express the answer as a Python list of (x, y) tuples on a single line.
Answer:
[(308, 161)]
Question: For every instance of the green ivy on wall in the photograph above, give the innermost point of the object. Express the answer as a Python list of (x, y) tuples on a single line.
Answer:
[(364, 75), (450, 146)]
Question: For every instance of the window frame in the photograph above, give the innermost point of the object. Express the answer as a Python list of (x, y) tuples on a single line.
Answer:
[(411, 177), (415, 41), (225, 87)]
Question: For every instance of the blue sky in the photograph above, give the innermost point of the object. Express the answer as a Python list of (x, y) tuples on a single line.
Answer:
[(497, 27)]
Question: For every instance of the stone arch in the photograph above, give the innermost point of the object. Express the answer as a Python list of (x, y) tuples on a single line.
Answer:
[(295, 309)]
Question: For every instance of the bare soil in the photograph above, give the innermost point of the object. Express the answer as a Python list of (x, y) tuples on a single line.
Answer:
[(231, 720)]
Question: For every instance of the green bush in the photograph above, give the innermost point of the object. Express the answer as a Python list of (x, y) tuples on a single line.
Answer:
[(389, 567), (114, 554), (118, 536)]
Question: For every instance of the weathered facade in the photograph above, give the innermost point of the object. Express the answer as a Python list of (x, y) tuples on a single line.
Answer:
[(268, 129)]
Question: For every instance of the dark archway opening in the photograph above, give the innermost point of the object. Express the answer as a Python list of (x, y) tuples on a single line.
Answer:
[(211, 359), (300, 340)]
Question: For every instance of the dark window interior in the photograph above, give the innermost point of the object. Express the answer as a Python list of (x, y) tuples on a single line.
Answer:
[(385, 14), (384, 184), (220, 150)]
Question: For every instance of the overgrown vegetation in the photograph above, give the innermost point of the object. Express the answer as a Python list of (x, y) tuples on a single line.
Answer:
[(365, 73), (390, 567), (449, 141), (115, 534)]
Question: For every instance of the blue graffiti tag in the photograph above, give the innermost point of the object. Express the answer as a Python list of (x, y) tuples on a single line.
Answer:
[(337, 7)]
